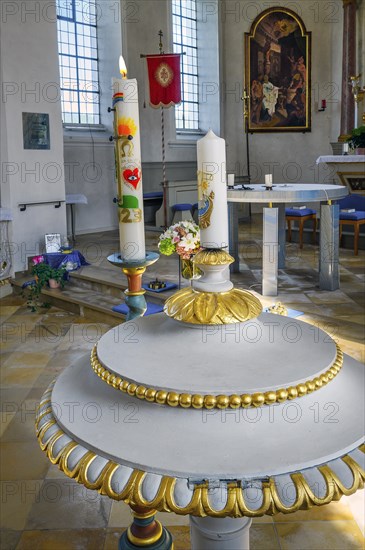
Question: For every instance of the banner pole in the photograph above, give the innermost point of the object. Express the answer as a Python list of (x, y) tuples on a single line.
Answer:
[(164, 182)]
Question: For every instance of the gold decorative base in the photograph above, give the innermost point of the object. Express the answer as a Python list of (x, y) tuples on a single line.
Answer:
[(212, 300), (212, 308), (200, 504)]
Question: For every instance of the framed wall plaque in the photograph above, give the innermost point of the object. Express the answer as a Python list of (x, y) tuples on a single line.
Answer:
[(36, 131), (278, 73)]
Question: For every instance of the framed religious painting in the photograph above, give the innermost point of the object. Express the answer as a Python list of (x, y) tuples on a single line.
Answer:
[(278, 73)]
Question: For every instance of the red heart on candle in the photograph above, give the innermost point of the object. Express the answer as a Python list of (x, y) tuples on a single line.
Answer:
[(132, 176)]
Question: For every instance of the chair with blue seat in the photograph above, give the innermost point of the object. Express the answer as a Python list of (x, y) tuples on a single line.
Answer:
[(181, 211), (357, 218), (301, 215)]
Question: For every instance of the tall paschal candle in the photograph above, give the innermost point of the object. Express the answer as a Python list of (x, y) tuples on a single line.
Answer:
[(129, 170), (212, 191)]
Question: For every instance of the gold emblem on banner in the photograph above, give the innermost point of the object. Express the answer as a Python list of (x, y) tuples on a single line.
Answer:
[(164, 75)]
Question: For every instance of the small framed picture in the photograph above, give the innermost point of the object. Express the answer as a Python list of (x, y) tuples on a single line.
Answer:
[(53, 242), (36, 131)]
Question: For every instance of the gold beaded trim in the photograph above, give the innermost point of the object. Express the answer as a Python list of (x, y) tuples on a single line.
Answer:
[(197, 401), (199, 505)]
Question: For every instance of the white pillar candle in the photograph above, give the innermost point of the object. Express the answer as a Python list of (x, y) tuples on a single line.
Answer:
[(345, 147), (230, 180), (268, 180), (129, 169), (212, 191)]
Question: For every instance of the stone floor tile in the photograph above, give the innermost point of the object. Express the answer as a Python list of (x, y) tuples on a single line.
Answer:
[(324, 535), (329, 512), (22, 461), (181, 537), (64, 504), (263, 537), (9, 539), (70, 539), (112, 539), (263, 519), (21, 428), (120, 515), (356, 504), (24, 359), (17, 499), (169, 519), (7, 311), (24, 377)]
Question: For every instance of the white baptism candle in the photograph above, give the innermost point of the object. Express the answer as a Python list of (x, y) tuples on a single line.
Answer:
[(230, 180), (212, 191), (129, 171), (268, 180)]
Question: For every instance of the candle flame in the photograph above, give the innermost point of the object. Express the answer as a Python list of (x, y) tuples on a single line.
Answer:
[(122, 67)]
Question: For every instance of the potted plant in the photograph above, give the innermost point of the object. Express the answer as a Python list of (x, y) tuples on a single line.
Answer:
[(44, 274), (357, 140)]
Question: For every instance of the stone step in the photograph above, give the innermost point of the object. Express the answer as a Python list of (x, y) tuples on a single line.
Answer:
[(112, 281), (86, 295)]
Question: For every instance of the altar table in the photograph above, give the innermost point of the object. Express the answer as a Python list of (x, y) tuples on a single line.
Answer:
[(274, 236), (348, 169)]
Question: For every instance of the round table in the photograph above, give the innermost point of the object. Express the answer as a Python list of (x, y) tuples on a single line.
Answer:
[(281, 428), (274, 228)]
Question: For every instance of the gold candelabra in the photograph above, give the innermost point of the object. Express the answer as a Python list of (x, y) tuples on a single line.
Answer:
[(357, 90)]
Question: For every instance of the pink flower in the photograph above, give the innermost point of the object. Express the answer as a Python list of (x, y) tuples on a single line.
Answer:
[(37, 260)]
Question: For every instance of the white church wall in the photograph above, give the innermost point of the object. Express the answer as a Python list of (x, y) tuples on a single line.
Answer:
[(130, 28), (30, 83)]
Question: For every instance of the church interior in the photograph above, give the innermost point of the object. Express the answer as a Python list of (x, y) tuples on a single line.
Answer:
[(246, 121)]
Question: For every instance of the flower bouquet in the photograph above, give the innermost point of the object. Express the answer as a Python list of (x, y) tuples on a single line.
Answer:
[(184, 239)]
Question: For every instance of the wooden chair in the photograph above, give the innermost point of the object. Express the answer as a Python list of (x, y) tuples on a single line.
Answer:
[(301, 216), (357, 218)]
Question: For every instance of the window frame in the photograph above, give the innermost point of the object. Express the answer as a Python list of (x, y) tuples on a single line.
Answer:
[(78, 90), (179, 47)]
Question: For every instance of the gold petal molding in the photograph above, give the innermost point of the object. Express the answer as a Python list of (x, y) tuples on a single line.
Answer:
[(212, 308), (197, 401), (123, 483)]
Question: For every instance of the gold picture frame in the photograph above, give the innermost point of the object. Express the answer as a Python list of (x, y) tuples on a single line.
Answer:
[(278, 73)]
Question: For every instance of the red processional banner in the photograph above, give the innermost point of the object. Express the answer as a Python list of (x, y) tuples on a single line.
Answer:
[(164, 79)]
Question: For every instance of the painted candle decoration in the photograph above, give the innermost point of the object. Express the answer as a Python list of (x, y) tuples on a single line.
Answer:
[(128, 167), (212, 191)]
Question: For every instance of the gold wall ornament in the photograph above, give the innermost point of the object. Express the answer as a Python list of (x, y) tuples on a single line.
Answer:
[(200, 502), (198, 401)]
